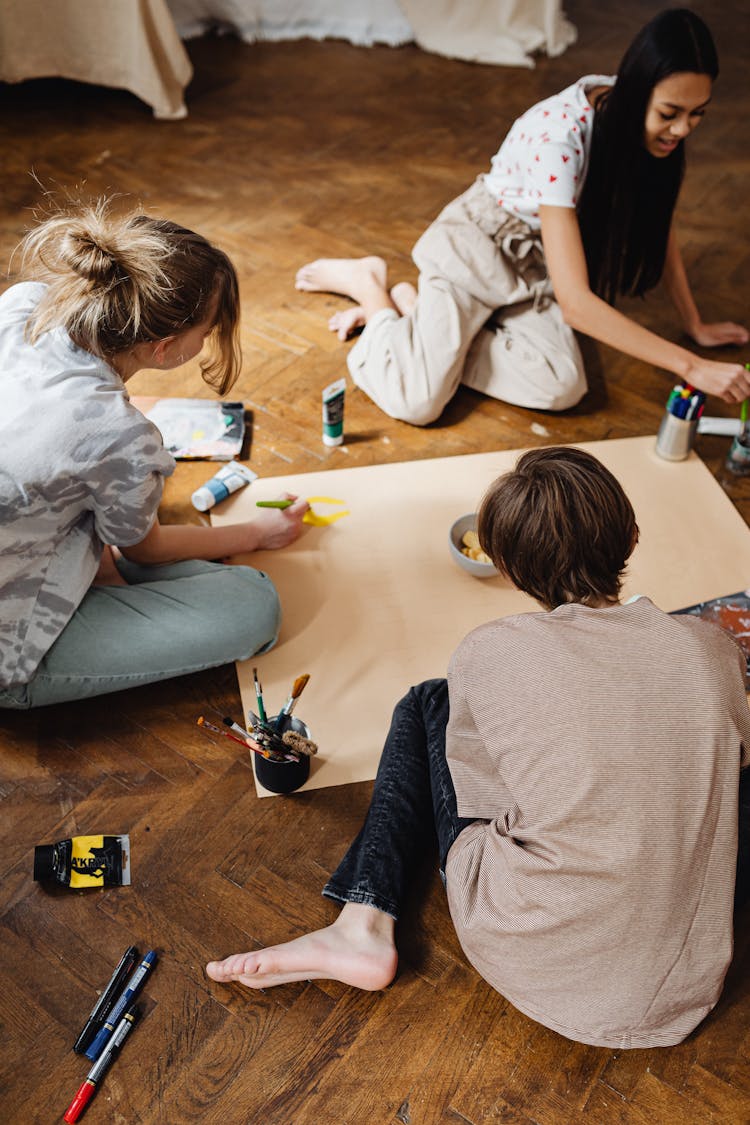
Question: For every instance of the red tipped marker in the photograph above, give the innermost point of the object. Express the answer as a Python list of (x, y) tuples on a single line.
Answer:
[(86, 1091)]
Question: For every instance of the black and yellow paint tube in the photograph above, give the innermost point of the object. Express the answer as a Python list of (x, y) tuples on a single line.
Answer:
[(85, 861)]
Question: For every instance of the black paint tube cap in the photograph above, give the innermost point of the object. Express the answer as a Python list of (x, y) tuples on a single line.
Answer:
[(44, 862)]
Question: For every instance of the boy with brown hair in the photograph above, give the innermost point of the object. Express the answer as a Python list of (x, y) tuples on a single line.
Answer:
[(580, 767)]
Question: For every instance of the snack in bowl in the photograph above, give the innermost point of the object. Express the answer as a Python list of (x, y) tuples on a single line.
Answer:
[(463, 543), (470, 547)]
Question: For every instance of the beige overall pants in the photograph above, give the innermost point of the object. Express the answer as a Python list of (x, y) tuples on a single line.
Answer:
[(485, 316)]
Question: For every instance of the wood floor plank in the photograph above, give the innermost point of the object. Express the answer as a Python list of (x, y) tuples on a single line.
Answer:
[(290, 152)]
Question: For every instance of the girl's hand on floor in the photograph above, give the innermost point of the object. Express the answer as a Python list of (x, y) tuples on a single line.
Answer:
[(277, 527), (730, 381), (720, 334)]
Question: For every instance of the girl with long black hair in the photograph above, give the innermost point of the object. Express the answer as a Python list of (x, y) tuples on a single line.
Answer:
[(576, 211)]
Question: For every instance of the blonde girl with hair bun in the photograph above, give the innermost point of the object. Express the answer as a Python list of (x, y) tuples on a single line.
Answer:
[(96, 595)]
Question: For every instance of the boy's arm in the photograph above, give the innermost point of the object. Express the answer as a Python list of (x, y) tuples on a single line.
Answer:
[(480, 790)]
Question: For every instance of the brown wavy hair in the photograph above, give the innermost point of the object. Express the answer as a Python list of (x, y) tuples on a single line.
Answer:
[(560, 527), (118, 280)]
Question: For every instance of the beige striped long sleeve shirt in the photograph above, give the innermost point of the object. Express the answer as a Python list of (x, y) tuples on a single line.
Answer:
[(599, 751)]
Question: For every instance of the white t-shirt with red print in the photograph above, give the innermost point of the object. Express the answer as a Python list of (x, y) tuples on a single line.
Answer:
[(544, 157)]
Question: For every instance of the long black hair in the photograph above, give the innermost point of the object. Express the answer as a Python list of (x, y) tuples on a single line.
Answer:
[(625, 208)]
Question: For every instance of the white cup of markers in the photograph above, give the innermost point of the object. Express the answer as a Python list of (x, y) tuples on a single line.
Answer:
[(680, 422)]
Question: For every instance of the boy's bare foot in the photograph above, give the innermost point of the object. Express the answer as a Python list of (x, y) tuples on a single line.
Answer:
[(353, 277), (357, 949)]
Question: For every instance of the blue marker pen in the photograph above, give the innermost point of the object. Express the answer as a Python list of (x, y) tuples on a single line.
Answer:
[(133, 987)]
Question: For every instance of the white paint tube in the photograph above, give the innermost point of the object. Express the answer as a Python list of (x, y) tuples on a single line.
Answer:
[(333, 413), (230, 478)]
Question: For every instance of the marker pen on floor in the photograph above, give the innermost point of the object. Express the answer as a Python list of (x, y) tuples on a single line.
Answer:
[(134, 986), (106, 1001), (86, 1091)]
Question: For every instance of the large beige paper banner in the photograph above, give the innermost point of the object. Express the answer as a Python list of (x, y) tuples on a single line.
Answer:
[(374, 603)]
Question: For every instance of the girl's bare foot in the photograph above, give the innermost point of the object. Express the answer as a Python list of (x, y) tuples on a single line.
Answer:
[(357, 278), (346, 321), (358, 949), (404, 297)]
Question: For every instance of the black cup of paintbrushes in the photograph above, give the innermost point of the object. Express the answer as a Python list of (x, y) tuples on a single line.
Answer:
[(286, 775)]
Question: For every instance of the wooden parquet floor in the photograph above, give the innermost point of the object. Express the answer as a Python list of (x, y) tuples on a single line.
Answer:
[(292, 151)]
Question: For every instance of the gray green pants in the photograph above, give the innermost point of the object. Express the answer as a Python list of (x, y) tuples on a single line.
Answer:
[(168, 621)]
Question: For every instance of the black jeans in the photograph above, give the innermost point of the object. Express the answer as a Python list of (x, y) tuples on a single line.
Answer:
[(414, 797), (742, 886)]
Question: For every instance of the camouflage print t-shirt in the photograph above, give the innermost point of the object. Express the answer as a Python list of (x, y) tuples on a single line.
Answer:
[(79, 467)]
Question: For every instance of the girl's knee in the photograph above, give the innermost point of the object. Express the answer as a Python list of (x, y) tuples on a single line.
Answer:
[(569, 387), (419, 412), (251, 611)]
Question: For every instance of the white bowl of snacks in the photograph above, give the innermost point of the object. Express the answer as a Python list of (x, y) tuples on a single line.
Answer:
[(465, 549)]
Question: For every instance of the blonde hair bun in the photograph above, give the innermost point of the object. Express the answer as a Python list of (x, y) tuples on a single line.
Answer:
[(89, 258), (116, 280)]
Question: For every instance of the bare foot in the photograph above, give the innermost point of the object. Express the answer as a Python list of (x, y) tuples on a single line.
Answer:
[(346, 321), (352, 277), (358, 949), (404, 297)]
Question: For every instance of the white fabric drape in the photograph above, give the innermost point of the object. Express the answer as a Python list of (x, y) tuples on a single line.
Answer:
[(490, 31), (486, 31), (363, 22)]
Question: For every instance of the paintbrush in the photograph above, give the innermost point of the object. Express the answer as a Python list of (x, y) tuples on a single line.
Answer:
[(246, 740), (268, 740), (274, 753), (298, 743), (259, 696), (297, 688), (237, 728)]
